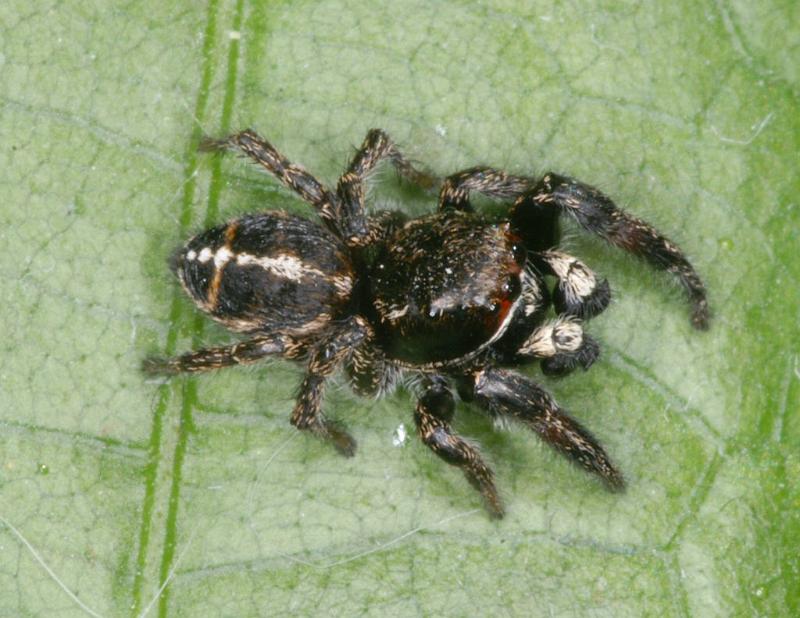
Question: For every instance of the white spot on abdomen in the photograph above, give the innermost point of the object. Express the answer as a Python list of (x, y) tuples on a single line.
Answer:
[(222, 256), (205, 255)]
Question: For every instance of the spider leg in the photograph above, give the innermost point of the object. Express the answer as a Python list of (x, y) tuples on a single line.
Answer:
[(377, 147), (368, 372), (326, 356), (493, 183), (242, 353), (507, 393), (433, 414), (292, 175), (579, 292), (596, 213), (562, 345)]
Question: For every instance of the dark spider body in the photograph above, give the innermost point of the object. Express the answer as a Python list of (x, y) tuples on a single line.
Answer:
[(450, 298), (443, 287)]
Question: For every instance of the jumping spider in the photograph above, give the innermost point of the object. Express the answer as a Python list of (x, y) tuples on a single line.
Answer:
[(449, 299)]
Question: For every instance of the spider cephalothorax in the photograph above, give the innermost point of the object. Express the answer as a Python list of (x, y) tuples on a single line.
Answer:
[(450, 299)]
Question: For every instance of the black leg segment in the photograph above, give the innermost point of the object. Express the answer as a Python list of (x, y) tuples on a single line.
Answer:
[(368, 372), (377, 147), (242, 353), (486, 180), (596, 213), (507, 393), (433, 414), (326, 356), (294, 176)]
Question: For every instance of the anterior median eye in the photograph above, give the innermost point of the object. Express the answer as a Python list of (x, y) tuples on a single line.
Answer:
[(511, 287)]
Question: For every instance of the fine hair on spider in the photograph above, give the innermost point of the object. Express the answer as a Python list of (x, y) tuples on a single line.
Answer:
[(450, 302)]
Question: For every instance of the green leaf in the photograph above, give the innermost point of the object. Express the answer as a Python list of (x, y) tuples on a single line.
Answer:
[(120, 495)]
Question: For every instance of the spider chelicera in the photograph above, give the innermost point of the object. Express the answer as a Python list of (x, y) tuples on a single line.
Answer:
[(449, 300)]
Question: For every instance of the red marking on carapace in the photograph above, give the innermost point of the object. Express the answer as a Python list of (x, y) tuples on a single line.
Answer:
[(495, 320), (505, 307)]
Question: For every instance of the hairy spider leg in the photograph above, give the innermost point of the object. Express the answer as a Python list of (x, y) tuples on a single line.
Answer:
[(367, 370), (242, 353), (493, 183), (562, 345), (596, 213), (292, 175), (507, 393), (579, 292), (377, 147), (435, 409), (324, 359)]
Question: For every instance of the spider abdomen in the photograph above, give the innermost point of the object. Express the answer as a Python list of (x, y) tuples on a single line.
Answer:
[(266, 272)]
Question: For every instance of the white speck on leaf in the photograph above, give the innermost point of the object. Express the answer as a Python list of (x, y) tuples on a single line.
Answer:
[(399, 436)]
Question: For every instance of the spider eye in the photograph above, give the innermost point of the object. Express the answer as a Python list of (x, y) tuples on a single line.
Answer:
[(511, 287)]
